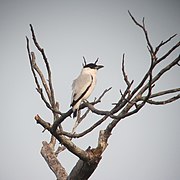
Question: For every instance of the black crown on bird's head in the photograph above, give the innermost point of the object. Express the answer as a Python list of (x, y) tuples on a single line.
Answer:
[(92, 65)]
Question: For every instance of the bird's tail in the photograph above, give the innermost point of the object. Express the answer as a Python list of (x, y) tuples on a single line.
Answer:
[(75, 113), (75, 106)]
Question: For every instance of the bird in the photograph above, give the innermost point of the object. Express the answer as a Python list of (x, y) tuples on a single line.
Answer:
[(84, 84)]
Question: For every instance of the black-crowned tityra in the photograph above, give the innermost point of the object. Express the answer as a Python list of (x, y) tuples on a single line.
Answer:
[(84, 84)]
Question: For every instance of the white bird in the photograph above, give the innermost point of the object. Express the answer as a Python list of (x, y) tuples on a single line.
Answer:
[(83, 86)]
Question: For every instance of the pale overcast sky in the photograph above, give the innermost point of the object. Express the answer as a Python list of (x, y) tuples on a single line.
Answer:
[(144, 146)]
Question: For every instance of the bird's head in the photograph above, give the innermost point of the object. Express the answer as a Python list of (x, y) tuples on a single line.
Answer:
[(92, 66)]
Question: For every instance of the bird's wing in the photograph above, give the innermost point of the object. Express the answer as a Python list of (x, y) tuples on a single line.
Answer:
[(80, 86)]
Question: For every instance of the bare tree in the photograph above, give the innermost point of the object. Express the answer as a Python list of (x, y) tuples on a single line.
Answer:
[(131, 101)]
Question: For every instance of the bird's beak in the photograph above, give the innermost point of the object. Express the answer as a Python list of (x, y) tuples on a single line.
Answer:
[(99, 66)]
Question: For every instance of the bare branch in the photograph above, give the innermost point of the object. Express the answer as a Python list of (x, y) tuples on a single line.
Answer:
[(124, 73), (31, 60), (159, 74), (53, 162), (63, 140), (52, 98), (125, 112), (167, 101), (161, 93), (94, 110), (123, 100), (43, 80), (168, 53), (166, 68), (145, 33), (153, 58), (33, 68), (95, 125), (84, 115), (101, 96), (92, 127), (163, 43)]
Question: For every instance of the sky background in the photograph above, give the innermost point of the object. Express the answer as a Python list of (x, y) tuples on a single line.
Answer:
[(144, 146)]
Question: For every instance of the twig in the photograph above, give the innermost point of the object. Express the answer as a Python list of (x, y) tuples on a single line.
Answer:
[(84, 115), (168, 53), (124, 73), (94, 110), (95, 125), (167, 101), (32, 63), (161, 93), (163, 43), (153, 58), (101, 96), (51, 96), (43, 80), (145, 32), (123, 100), (165, 69), (125, 112)]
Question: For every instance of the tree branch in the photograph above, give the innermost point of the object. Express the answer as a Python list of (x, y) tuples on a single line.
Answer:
[(161, 93), (33, 68), (145, 33), (163, 43), (124, 73), (50, 92), (170, 100), (52, 161), (78, 135), (168, 53), (63, 140)]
